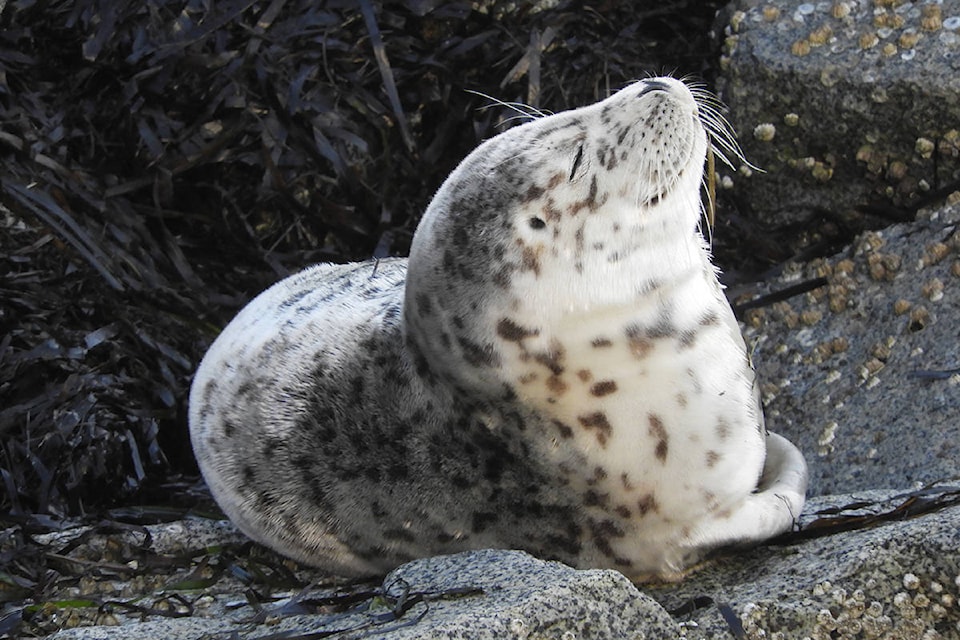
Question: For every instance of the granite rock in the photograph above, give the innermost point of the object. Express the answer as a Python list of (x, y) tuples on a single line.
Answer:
[(842, 103), (861, 373), (899, 580), (866, 565)]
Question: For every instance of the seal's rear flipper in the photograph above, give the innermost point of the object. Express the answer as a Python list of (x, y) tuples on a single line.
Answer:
[(772, 508)]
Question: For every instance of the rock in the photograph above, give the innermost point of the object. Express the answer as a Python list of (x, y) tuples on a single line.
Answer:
[(861, 373), (900, 580), (529, 599), (842, 103), (473, 595)]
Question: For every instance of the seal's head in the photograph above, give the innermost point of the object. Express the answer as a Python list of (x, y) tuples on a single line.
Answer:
[(565, 214)]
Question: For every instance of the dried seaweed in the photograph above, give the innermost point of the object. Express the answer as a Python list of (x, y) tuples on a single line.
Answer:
[(163, 161)]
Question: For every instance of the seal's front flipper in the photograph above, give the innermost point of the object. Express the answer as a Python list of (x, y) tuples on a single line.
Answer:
[(771, 509)]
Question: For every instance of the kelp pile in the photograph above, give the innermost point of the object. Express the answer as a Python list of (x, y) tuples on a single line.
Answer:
[(162, 161)]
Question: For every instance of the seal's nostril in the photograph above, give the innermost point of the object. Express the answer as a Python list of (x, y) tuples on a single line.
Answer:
[(649, 86)]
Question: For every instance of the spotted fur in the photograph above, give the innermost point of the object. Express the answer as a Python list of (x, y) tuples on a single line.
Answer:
[(554, 369)]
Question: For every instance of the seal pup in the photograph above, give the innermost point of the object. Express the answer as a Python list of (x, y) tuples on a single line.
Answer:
[(554, 369)]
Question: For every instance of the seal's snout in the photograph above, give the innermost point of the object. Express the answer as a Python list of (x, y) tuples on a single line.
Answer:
[(671, 141)]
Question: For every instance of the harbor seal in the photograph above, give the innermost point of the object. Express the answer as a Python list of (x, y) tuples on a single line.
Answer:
[(554, 369)]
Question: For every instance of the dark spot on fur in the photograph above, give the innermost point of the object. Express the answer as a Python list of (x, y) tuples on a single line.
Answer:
[(209, 390), (556, 385), (597, 420), (567, 542), (398, 471), (533, 193), (710, 498), (477, 355), (601, 532), (722, 429), (593, 498), (603, 388), (648, 504), (552, 359), (303, 463), (399, 534), (638, 341), (356, 388), (536, 223), (657, 430), (663, 328), (512, 332), (607, 528), (682, 400), (623, 511), (461, 239), (270, 446), (464, 272), (600, 343), (229, 429), (584, 375), (294, 299), (687, 339), (531, 260), (712, 458), (551, 212), (391, 313), (449, 261), (503, 277), (565, 431), (245, 388), (709, 318), (482, 520), (578, 240)]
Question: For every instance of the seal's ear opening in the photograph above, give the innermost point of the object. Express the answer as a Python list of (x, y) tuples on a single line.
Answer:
[(537, 223)]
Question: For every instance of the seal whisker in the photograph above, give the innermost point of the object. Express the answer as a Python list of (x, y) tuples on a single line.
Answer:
[(523, 110), (722, 137)]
